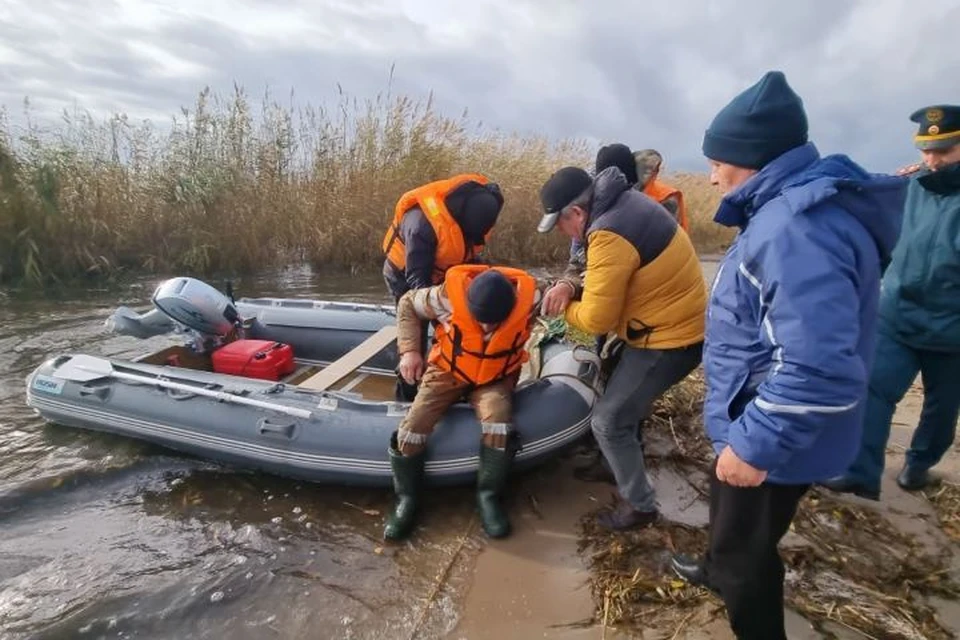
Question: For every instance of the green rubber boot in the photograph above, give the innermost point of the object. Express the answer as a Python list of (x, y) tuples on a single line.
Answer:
[(407, 483), (491, 481)]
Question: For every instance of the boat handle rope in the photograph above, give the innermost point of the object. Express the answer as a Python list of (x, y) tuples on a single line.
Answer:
[(180, 395), (596, 392)]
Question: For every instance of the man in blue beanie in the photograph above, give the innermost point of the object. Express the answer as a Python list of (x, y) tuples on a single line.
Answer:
[(791, 328)]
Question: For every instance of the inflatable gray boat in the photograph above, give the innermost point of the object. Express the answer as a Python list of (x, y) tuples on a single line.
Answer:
[(324, 416)]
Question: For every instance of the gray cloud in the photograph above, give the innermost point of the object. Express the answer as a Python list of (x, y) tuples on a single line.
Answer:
[(642, 73)]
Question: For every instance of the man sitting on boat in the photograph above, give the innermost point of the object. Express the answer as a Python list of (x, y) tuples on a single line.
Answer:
[(643, 281), (437, 226), (483, 318)]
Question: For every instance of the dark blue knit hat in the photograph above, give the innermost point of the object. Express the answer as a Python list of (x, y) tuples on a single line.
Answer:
[(491, 297), (758, 125)]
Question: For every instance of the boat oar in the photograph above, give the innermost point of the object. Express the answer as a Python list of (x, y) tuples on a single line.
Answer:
[(84, 368)]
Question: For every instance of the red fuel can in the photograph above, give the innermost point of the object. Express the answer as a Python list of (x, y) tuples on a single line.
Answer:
[(263, 359)]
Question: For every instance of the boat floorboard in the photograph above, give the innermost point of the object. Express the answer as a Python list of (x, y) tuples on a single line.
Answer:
[(371, 386)]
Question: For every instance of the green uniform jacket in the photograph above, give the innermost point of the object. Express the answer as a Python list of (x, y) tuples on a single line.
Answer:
[(920, 303)]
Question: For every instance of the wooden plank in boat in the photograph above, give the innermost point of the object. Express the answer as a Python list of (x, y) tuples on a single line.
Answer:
[(348, 362), (374, 386), (179, 356), (301, 374)]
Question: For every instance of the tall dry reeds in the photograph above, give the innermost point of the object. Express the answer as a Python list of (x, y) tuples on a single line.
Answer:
[(238, 185), (702, 200)]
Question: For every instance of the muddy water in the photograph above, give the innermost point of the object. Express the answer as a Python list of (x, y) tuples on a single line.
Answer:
[(106, 537), (103, 536)]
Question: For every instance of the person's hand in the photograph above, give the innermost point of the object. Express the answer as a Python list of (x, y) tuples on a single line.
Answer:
[(907, 170), (734, 471), (556, 299), (411, 366)]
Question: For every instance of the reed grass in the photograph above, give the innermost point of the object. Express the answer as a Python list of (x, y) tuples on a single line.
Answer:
[(702, 200), (237, 185)]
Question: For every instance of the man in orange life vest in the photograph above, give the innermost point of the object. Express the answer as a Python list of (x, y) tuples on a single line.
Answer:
[(483, 318), (436, 226), (648, 163)]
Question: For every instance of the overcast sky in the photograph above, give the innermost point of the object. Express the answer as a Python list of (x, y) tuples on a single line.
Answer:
[(644, 73)]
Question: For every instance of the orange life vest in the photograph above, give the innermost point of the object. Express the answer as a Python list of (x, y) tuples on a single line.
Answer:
[(459, 347), (452, 248), (660, 192)]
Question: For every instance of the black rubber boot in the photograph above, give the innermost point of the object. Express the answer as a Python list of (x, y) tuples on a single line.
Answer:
[(407, 483), (913, 478), (491, 481), (844, 484)]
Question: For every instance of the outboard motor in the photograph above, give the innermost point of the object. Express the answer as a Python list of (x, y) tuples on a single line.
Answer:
[(196, 305), (204, 312), (187, 305), (128, 322)]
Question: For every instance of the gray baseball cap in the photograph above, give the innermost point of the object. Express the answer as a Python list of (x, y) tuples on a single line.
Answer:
[(648, 161)]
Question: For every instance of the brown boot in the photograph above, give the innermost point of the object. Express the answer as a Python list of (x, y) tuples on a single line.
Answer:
[(624, 516)]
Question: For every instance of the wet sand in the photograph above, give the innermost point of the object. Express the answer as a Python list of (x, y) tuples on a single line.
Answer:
[(534, 584)]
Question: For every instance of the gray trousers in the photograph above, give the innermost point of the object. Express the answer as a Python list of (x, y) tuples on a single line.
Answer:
[(641, 376)]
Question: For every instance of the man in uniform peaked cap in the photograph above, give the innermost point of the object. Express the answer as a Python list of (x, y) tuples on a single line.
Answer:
[(919, 316), (939, 127)]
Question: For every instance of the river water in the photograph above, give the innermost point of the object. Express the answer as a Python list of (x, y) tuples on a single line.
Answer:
[(107, 537)]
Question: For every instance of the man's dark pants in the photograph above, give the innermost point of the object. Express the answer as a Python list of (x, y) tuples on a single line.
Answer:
[(743, 563)]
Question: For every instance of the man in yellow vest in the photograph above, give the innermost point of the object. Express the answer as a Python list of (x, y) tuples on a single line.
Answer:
[(640, 169), (642, 282), (437, 226)]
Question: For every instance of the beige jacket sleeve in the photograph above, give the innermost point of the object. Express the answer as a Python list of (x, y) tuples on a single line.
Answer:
[(416, 306), (432, 303)]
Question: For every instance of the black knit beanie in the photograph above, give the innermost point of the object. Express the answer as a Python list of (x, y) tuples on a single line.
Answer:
[(617, 155), (476, 208), (491, 297)]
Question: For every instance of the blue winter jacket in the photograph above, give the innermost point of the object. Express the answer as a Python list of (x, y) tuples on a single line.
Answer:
[(792, 316)]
